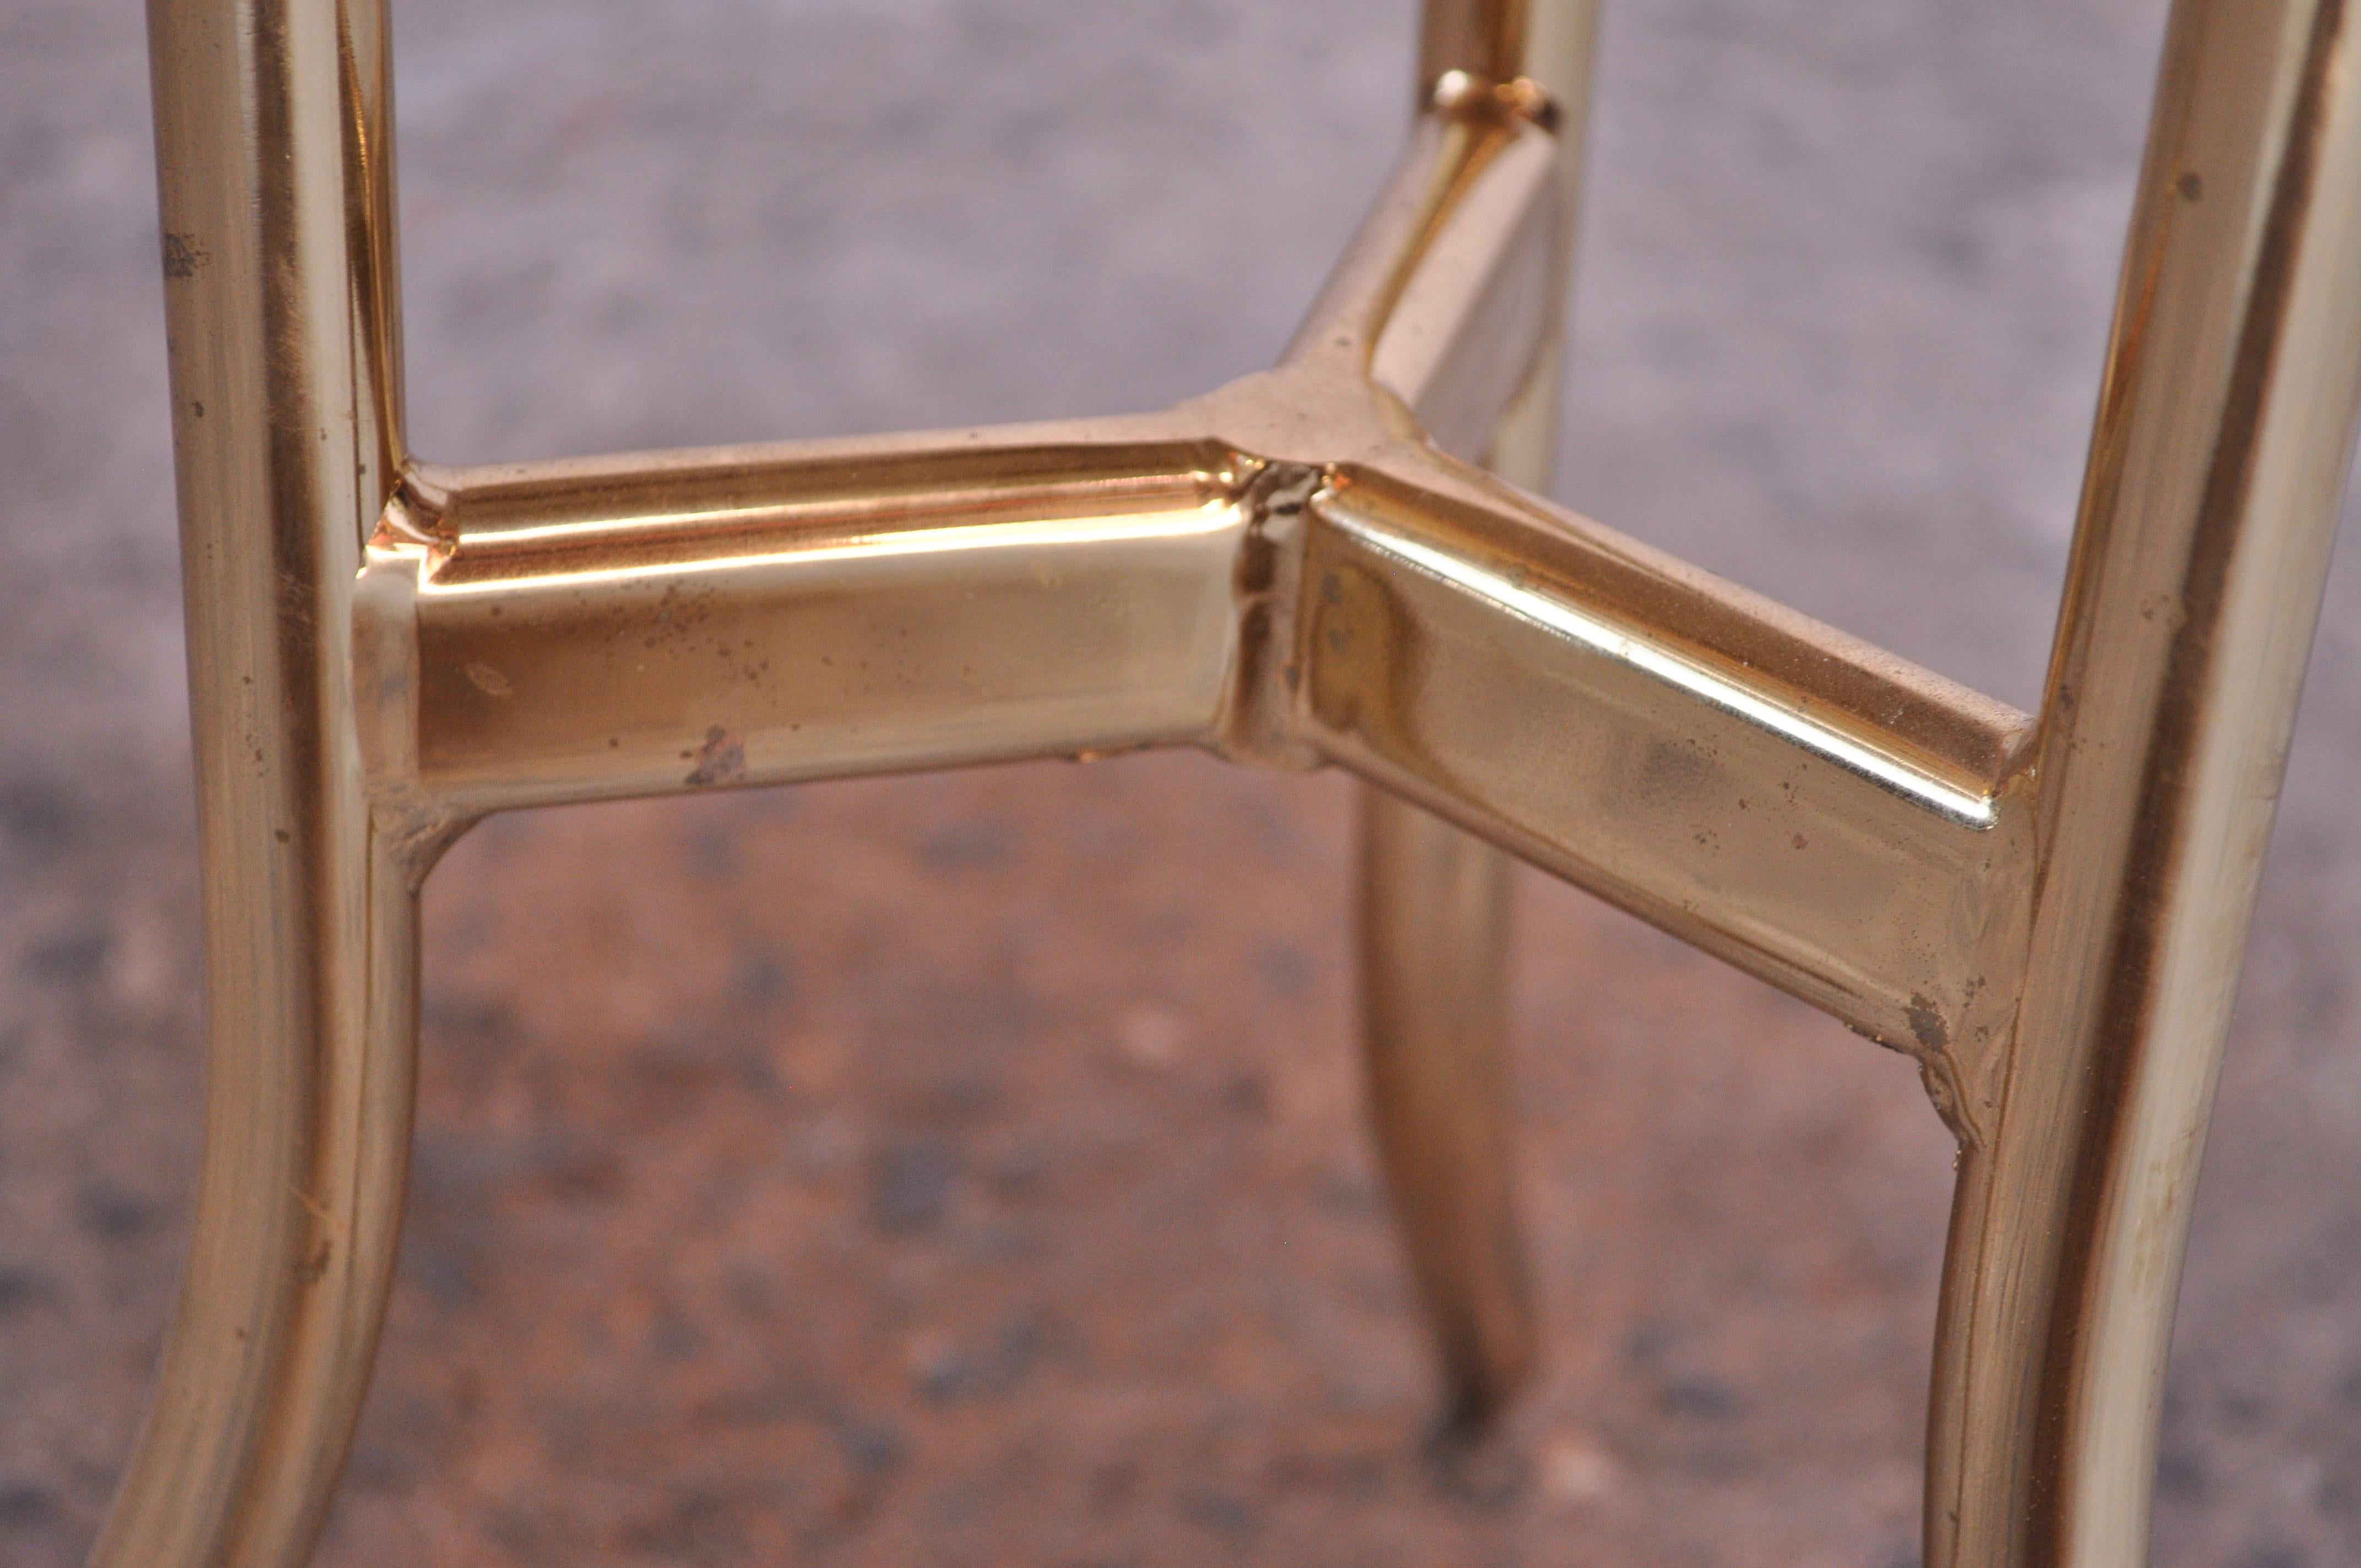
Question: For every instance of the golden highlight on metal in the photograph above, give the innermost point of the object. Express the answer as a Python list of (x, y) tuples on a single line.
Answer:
[(1632, 647), (964, 537), (1338, 561)]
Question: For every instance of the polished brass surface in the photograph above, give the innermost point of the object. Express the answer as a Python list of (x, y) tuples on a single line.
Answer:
[(1434, 897), (1337, 561), (2225, 429)]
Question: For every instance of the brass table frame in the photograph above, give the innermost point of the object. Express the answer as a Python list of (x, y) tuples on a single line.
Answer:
[(2047, 912)]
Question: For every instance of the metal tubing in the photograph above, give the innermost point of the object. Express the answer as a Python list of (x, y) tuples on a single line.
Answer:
[(1547, 42), (637, 626), (276, 188), (1301, 567), (2225, 428), (1475, 321), (1433, 948), (1446, 273), (1822, 815), (1435, 921)]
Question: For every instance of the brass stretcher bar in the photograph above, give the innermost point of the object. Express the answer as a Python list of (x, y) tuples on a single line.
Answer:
[(1337, 561)]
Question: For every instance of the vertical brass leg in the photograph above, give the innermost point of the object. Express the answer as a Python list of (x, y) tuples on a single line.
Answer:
[(2223, 438), (1434, 899), (270, 124)]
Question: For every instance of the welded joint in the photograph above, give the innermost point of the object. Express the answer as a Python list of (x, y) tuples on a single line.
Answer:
[(1464, 94), (416, 824), (1258, 723)]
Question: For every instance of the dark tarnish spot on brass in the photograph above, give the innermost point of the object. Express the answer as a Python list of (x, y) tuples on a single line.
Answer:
[(721, 759), (182, 257), (1927, 1023), (1671, 772), (313, 1269)]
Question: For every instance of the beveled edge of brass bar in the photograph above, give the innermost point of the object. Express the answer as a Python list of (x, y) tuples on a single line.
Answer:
[(537, 527), (1909, 730)]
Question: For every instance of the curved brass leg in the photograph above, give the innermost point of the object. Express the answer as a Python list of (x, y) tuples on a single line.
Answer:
[(270, 126), (1433, 953), (2223, 439), (1434, 940), (309, 1074), (1434, 899)]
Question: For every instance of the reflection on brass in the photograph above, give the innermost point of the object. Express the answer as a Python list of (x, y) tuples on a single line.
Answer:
[(1313, 566)]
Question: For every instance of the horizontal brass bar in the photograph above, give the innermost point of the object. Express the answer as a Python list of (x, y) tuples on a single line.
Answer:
[(1443, 298), (1467, 321), (1817, 812), (1285, 571), (639, 624), (633, 625)]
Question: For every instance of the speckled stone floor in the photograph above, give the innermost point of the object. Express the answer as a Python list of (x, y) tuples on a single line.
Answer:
[(967, 1169)]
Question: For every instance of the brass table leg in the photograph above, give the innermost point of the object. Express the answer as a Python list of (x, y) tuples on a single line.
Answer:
[(276, 216), (2224, 429), (1299, 569), (1433, 928), (1434, 951)]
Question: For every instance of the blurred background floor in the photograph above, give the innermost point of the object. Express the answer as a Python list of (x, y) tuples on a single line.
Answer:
[(967, 1168)]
